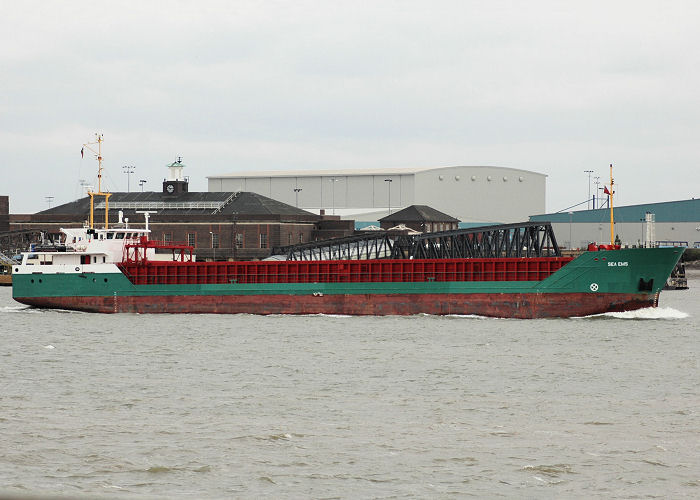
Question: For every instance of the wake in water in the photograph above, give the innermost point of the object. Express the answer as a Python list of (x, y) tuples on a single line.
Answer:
[(463, 316), (643, 314), (35, 310), (319, 315), (14, 309)]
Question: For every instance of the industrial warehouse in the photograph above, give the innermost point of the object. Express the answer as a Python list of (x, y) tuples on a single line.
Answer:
[(473, 194), (671, 223)]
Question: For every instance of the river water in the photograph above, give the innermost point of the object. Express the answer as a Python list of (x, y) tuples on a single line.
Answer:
[(206, 406)]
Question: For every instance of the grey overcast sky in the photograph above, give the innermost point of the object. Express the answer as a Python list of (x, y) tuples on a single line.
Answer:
[(555, 87)]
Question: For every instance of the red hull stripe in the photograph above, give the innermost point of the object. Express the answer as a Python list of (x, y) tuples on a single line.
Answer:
[(510, 305)]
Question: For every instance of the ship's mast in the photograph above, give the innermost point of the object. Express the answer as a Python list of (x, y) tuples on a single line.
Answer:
[(612, 218), (98, 141)]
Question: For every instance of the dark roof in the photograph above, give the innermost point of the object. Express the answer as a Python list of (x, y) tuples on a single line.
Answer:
[(214, 202), (418, 213), (252, 203)]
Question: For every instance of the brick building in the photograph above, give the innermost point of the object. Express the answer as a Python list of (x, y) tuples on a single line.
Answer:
[(4, 213), (421, 218), (221, 226)]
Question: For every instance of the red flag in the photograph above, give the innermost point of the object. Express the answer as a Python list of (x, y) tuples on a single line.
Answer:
[(605, 190), (82, 152)]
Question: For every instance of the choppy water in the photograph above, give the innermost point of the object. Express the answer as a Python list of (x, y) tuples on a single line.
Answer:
[(204, 406)]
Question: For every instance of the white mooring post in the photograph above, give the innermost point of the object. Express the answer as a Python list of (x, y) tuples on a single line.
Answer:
[(649, 237)]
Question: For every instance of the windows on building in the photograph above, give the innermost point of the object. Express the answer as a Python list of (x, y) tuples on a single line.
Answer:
[(192, 239), (263, 241), (167, 237), (215, 240), (239, 240)]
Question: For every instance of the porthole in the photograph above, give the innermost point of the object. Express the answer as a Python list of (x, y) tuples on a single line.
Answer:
[(488, 178), (32, 280), (473, 177), (16, 269), (520, 178), (39, 281), (505, 179), (440, 177), (105, 280), (456, 177), (94, 280)]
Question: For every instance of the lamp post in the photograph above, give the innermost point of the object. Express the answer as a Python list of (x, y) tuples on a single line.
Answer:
[(571, 243), (128, 170), (49, 199), (85, 186), (141, 183), (389, 181), (596, 181), (296, 195), (333, 181), (602, 197), (589, 172), (235, 234), (212, 245)]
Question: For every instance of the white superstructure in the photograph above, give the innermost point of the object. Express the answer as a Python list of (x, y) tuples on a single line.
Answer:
[(83, 250)]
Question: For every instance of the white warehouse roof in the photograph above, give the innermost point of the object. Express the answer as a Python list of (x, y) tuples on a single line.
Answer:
[(350, 171)]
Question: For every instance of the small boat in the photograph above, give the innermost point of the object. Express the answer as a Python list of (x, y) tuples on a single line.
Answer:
[(5, 276), (677, 280), (5, 270)]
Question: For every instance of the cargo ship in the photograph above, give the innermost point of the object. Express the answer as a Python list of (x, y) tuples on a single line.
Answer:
[(512, 271), (120, 270)]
